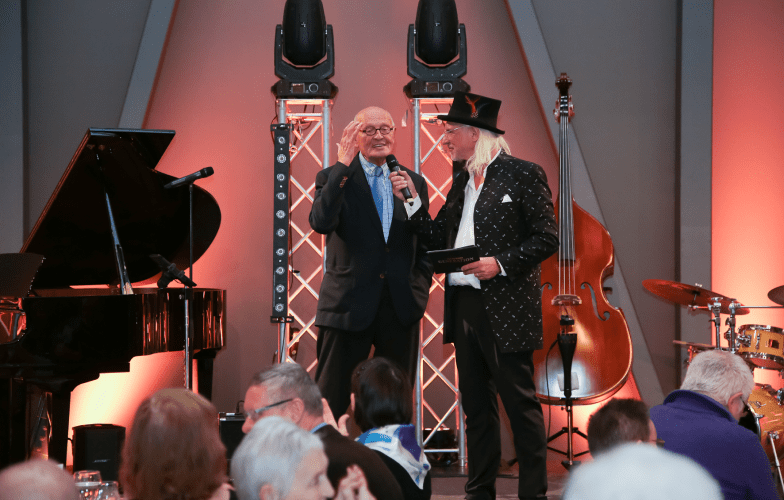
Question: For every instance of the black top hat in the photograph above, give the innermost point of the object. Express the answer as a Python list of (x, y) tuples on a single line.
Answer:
[(474, 110)]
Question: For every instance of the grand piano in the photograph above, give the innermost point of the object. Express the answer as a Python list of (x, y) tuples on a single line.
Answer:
[(87, 313)]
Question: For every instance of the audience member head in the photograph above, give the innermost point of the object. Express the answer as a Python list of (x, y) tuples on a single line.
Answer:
[(36, 479), (381, 393), (722, 376), (619, 421), (277, 460), (285, 390), (641, 472), (173, 448)]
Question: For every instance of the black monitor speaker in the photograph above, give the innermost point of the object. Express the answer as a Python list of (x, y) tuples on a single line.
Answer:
[(230, 425), (98, 447)]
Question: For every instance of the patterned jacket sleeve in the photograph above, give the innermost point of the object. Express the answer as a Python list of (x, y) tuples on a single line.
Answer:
[(434, 233)]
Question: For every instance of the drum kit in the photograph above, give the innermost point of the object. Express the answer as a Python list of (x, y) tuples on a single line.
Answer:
[(761, 346)]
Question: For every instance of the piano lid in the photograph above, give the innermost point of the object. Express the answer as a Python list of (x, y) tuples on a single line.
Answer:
[(74, 233), (17, 271)]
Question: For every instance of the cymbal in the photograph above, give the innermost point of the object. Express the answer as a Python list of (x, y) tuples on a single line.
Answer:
[(695, 345), (688, 295), (777, 295)]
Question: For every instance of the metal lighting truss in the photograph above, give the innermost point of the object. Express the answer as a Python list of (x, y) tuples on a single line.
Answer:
[(437, 368), (303, 282)]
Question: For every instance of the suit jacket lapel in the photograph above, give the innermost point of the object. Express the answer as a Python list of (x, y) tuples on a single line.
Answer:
[(488, 193), (455, 211)]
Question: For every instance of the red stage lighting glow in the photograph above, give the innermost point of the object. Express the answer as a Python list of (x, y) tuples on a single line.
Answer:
[(748, 146), (114, 397)]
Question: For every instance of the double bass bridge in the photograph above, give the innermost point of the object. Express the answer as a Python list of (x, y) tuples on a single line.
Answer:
[(567, 300)]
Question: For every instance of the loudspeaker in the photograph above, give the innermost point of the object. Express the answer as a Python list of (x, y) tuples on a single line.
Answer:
[(230, 425), (98, 447)]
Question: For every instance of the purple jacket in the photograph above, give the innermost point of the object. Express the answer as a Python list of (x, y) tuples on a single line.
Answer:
[(700, 428)]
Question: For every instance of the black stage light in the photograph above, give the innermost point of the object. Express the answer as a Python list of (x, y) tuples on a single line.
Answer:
[(440, 43), (304, 39)]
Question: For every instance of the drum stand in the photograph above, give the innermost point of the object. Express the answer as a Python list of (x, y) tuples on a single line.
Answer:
[(734, 341), (772, 436)]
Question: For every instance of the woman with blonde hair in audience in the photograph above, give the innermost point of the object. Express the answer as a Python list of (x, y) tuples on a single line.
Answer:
[(174, 450)]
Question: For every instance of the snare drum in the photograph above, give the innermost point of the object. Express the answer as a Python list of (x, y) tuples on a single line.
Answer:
[(766, 419), (766, 346)]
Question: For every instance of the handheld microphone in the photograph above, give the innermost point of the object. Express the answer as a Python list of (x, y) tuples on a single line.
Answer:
[(201, 174), (394, 166)]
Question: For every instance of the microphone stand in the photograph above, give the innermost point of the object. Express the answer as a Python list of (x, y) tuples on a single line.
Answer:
[(189, 297), (170, 272)]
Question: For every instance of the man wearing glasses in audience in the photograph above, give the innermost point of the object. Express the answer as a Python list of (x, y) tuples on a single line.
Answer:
[(700, 421), (286, 390), (377, 276)]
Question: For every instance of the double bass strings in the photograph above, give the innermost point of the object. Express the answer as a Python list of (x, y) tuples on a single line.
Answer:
[(566, 251)]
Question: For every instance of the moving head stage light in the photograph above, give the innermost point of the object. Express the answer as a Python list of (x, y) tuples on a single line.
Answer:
[(436, 39), (304, 39)]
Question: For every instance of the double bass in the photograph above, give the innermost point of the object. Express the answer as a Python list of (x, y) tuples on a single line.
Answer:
[(572, 289)]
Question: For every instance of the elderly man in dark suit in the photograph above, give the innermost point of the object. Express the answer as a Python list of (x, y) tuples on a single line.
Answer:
[(286, 390), (493, 311), (377, 277)]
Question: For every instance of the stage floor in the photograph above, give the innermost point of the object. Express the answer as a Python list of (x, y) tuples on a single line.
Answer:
[(448, 482)]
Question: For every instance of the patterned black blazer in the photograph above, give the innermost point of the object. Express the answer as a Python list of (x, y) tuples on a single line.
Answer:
[(358, 258), (513, 222)]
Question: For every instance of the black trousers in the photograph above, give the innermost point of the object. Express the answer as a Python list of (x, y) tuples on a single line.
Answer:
[(340, 351), (483, 373)]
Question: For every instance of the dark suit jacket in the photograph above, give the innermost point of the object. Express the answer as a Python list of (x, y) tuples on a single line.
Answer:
[(342, 452), (358, 259), (520, 233)]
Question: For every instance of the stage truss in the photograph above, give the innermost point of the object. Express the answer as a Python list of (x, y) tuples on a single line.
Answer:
[(306, 253), (436, 391)]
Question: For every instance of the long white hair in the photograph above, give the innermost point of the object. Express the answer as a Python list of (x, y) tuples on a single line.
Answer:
[(486, 145)]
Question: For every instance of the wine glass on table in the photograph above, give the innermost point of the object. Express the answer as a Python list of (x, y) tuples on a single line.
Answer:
[(110, 490), (88, 482)]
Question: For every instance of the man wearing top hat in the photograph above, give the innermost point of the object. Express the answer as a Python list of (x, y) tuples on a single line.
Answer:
[(493, 311)]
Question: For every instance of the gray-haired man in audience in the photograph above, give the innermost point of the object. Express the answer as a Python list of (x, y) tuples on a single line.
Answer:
[(286, 390), (700, 421)]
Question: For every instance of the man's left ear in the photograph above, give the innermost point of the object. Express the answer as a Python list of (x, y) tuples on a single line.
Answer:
[(295, 409), (736, 405)]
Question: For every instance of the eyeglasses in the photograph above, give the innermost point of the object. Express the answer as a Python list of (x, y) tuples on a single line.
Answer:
[(452, 130), (256, 414), (371, 131)]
